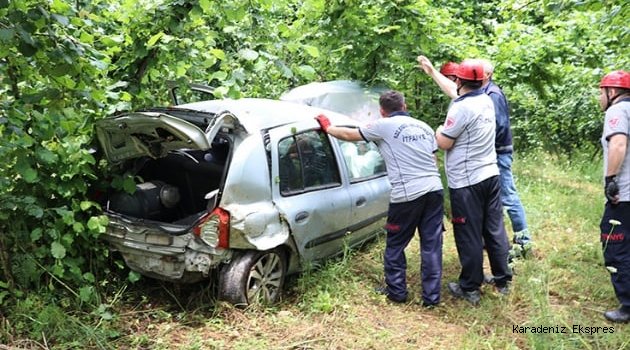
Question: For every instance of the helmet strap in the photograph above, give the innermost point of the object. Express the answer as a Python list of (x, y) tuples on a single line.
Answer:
[(609, 100)]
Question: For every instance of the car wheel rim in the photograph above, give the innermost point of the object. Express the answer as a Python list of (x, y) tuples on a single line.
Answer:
[(265, 279)]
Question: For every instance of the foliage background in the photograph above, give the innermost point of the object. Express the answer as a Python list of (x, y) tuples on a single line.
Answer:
[(65, 64)]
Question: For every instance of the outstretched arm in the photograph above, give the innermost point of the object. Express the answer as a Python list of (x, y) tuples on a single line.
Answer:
[(340, 132), (345, 133), (448, 86)]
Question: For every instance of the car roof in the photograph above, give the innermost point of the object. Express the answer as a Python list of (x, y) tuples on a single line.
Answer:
[(260, 113)]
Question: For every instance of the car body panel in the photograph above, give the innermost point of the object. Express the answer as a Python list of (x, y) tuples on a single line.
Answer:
[(147, 134), (155, 253), (317, 218)]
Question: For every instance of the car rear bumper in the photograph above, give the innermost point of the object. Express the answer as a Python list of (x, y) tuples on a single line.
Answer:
[(154, 253)]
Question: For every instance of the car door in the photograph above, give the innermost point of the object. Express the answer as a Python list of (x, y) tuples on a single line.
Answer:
[(368, 188), (307, 189)]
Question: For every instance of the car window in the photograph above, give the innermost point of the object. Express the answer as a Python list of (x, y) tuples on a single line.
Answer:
[(306, 163), (362, 159), (188, 93)]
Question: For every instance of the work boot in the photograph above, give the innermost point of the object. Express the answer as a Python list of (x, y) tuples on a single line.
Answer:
[(621, 315), (488, 279), (503, 290), (472, 297), (383, 291)]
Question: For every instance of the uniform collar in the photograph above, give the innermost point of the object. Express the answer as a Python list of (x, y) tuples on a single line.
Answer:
[(393, 114), (470, 94)]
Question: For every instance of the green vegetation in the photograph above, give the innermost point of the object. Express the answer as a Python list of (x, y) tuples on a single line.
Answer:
[(563, 285), (65, 64)]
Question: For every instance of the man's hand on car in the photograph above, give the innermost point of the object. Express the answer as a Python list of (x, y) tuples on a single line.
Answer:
[(323, 121)]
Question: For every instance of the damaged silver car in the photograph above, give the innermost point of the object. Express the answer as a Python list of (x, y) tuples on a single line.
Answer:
[(242, 191)]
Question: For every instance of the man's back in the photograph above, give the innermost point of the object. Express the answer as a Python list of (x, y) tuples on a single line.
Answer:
[(407, 146), (471, 123)]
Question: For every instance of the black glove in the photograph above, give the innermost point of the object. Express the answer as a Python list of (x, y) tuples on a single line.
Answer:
[(611, 189)]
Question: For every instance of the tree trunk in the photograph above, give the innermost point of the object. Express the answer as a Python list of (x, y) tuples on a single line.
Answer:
[(5, 262)]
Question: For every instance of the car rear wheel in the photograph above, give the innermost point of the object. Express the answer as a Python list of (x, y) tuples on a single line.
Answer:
[(253, 277)]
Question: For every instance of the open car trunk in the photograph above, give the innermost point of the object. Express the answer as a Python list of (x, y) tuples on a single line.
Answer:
[(176, 189), (178, 168)]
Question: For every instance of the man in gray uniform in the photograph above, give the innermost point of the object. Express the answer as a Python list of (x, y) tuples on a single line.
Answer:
[(615, 225), (416, 201), (473, 179), (503, 146)]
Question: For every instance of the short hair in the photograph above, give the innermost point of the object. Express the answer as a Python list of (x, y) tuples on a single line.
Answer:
[(392, 101), (471, 84), (488, 68)]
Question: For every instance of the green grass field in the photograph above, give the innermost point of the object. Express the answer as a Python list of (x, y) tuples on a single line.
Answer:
[(563, 287)]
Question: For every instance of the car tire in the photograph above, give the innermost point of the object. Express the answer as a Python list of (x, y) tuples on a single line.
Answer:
[(253, 277)]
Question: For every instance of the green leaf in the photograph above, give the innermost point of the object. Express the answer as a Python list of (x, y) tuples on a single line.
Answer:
[(98, 223), (85, 205), (220, 91), (129, 185), (248, 54), (86, 293), (7, 34), (36, 212), (30, 175), (220, 54), (63, 20), (36, 234), (77, 227), (206, 6), (311, 50), (219, 75), (89, 277), (307, 72), (57, 250), (134, 277), (47, 156), (154, 39), (26, 49), (59, 6)]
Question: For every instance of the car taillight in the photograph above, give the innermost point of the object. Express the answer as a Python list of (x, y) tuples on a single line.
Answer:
[(214, 229)]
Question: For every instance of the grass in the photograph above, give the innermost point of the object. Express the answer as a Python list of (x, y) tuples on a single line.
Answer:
[(564, 285)]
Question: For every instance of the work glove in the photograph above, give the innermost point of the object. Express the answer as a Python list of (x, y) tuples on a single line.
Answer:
[(611, 189), (323, 121)]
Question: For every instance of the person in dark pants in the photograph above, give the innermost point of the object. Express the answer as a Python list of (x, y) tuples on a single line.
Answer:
[(615, 225), (503, 146), (468, 136), (416, 200)]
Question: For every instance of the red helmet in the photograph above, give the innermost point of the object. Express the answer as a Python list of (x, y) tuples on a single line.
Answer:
[(618, 79), (449, 68), (470, 70)]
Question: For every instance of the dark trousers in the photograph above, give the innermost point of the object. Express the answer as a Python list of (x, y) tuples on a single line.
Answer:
[(424, 214), (616, 246), (477, 216)]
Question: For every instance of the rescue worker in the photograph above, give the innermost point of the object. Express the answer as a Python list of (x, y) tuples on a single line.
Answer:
[(503, 146), (614, 100), (467, 136), (449, 70), (408, 148)]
